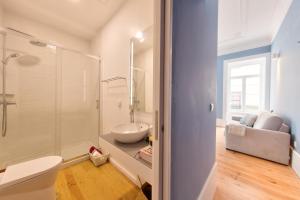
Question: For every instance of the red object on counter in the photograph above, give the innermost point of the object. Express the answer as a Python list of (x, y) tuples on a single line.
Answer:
[(93, 148)]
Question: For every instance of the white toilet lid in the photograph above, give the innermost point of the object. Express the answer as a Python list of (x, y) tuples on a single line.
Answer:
[(27, 170)]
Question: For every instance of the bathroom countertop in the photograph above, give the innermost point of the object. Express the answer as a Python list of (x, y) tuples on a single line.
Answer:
[(130, 149)]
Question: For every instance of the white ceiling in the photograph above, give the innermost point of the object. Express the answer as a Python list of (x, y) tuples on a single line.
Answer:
[(79, 17), (245, 24)]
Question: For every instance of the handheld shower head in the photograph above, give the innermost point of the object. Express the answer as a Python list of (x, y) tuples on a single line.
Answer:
[(13, 55)]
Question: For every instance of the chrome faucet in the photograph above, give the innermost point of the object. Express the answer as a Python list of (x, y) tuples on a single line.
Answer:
[(131, 113)]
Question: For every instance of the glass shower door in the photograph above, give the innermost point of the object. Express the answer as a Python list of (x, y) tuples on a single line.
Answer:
[(31, 92), (79, 104)]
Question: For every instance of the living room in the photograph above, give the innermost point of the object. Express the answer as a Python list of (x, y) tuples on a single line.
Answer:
[(257, 100)]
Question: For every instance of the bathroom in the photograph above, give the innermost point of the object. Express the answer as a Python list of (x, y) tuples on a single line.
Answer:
[(70, 81)]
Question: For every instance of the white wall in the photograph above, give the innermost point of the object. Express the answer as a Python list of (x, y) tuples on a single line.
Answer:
[(45, 32), (285, 73), (113, 44)]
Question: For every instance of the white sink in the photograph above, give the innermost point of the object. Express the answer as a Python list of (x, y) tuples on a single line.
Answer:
[(130, 133)]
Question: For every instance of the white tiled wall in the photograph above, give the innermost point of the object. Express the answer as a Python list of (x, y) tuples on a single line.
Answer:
[(113, 44)]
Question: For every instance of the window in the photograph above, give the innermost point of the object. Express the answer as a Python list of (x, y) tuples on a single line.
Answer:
[(245, 82)]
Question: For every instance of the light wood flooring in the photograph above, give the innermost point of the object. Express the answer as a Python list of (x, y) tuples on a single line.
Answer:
[(243, 177), (86, 182), (239, 177)]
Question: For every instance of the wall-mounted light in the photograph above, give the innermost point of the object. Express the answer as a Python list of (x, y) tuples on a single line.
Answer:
[(140, 36), (275, 55)]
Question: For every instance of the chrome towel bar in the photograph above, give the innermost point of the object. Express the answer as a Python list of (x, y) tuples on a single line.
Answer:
[(113, 79)]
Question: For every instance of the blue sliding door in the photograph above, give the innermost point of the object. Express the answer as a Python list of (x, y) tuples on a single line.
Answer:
[(194, 57)]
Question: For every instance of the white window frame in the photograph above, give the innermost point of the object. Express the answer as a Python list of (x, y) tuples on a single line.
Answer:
[(265, 74)]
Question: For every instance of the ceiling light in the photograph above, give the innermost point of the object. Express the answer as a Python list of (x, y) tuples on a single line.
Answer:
[(139, 35), (75, 1)]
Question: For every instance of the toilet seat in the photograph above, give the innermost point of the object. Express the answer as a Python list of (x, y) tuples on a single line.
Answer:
[(21, 172)]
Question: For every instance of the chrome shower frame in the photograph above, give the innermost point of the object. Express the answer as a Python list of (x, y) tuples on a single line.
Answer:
[(5, 61), (4, 102), (131, 83)]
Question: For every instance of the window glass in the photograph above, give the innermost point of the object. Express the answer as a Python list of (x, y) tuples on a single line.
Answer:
[(246, 70), (252, 99), (236, 88), (246, 92)]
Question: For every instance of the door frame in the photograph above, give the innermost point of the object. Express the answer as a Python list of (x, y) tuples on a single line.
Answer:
[(162, 99)]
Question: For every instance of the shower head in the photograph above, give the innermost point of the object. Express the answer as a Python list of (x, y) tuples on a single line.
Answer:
[(38, 43), (28, 60), (13, 55), (22, 59)]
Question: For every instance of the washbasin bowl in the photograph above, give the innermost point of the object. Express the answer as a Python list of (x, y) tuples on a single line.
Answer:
[(130, 133)]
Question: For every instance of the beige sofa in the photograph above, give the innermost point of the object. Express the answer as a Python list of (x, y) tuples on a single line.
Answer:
[(268, 138)]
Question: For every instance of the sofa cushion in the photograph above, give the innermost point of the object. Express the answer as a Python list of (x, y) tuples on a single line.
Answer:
[(268, 121), (248, 120)]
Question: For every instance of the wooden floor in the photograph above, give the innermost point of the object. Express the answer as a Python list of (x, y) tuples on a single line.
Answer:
[(86, 182), (242, 177), (239, 177)]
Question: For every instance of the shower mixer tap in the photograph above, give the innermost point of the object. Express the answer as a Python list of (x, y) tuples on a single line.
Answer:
[(4, 102), (7, 103)]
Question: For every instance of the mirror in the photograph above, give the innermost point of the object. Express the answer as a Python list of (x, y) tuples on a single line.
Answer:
[(141, 69)]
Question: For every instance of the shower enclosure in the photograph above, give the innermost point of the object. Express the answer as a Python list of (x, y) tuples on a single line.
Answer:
[(49, 99)]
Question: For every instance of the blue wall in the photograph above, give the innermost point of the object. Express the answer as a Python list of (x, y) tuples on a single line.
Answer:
[(286, 85), (221, 59), (194, 60)]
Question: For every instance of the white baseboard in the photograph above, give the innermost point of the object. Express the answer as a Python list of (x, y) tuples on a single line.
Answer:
[(124, 171), (75, 161), (127, 165), (295, 162), (209, 188), (221, 122)]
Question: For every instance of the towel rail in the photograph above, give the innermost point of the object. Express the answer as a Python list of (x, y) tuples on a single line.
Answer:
[(113, 79)]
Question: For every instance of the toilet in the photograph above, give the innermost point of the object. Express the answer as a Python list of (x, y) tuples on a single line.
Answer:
[(31, 180)]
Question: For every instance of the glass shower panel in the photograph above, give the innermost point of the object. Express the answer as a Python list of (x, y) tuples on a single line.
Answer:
[(31, 90), (79, 104)]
